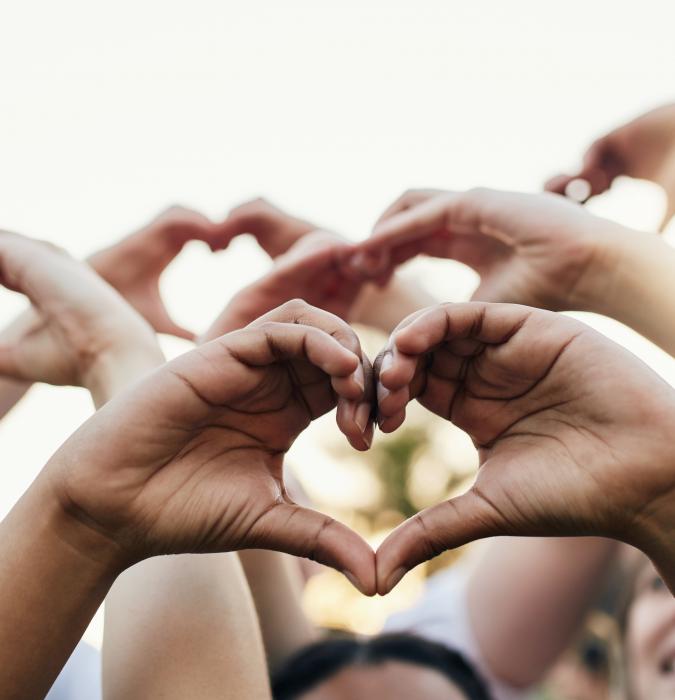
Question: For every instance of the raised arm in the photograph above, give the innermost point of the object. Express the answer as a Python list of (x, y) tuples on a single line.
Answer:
[(79, 331), (642, 148), (540, 250), (563, 451), (133, 266), (138, 479)]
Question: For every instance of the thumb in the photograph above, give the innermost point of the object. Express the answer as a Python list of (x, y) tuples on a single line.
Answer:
[(447, 525), (670, 212), (158, 317), (9, 364), (303, 532), (169, 327)]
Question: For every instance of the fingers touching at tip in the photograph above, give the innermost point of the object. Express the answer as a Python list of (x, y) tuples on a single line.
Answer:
[(355, 391)]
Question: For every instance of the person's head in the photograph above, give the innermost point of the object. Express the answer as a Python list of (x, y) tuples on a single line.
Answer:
[(649, 635), (393, 666)]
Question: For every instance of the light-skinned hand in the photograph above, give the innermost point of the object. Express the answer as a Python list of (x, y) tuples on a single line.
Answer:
[(534, 249), (135, 264), (642, 148), (80, 329)]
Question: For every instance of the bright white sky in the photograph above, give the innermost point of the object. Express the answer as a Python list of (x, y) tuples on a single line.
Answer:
[(109, 112)]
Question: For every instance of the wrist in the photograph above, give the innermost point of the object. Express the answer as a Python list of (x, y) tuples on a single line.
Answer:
[(385, 307), (619, 261), (639, 286), (117, 367), (656, 538)]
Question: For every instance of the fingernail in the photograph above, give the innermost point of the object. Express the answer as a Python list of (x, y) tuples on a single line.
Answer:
[(353, 580), (387, 362), (382, 393), (368, 435), (393, 580), (358, 261), (359, 377), (362, 416)]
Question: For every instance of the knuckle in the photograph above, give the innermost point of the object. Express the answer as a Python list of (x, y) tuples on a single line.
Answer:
[(296, 306)]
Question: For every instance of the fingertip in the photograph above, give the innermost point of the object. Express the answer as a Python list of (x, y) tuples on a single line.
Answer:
[(347, 387), (391, 403), (388, 424)]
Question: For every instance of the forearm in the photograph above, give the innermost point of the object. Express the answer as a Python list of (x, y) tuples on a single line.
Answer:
[(13, 390), (176, 626), (183, 626), (549, 585), (639, 289), (385, 307), (54, 574), (276, 584), (113, 373)]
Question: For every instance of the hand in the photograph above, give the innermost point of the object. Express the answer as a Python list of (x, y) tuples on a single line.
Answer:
[(80, 331), (314, 269), (274, 230), (134, 265), (574, 433), (642, 148), (190, 459), (538, 250)]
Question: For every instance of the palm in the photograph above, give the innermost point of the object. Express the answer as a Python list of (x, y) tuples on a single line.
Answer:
[(76, 316), (191, 459), (562, 451), (314, 270), (526, 403), (527, 249)]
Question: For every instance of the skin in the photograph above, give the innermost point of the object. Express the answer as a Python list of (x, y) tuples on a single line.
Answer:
[(79, 330), (538, 250), (316, 268), (275, 230), (210, 422), (561, 452), (313, 268), (642, 148), (135, 264), (650, 637), (394, 680), (558, 593)]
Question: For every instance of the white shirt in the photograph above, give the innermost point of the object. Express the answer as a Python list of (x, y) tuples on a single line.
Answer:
[(80, 678), (442, 616)]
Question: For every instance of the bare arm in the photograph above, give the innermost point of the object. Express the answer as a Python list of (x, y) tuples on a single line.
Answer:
[(183, 626), (536, 591), (13, 390), (276, 585), (641, 288)]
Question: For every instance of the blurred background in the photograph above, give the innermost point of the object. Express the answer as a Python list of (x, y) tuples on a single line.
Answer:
[(110, 112)]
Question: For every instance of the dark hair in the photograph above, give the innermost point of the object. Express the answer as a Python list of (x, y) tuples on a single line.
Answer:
[(321, 660)]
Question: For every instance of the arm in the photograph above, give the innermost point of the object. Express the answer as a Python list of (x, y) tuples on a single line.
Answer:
[(276, 585), (41, 624), (539, 250), (642, 148), (640, 291), (133, 267), (181, 626), (12, 390), (171, 624), (101, 503), (549, 585), (67, 341)]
